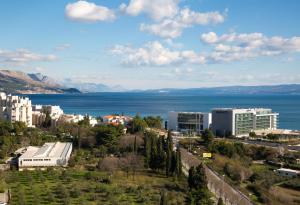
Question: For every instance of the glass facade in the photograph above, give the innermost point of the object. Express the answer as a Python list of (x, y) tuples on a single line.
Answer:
[(263, 122), (244, 123), (190, 122), (247, 122)]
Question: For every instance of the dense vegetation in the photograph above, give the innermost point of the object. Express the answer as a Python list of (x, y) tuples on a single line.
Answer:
[(106, 167)]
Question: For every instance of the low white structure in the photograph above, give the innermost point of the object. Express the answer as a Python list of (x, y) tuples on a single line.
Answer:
[(189, 122), (49, 155), (15, 109), (288, 172)]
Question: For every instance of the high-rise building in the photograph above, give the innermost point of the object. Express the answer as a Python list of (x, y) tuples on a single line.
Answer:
[(15, 108), (188, 122), (240, 122)]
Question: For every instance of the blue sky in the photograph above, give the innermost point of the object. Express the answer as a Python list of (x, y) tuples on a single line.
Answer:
[(141, 44)]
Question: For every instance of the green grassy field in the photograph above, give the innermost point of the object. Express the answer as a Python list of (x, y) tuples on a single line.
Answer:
[(83, 187)]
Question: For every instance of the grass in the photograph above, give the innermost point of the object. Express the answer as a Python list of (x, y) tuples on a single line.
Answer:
[(78, 187)]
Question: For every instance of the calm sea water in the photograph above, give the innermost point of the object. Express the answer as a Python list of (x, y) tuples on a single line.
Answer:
[(99, 104)]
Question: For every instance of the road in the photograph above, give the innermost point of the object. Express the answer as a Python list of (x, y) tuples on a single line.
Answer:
[(216, 183)]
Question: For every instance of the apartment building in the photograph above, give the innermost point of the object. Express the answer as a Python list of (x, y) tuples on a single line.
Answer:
[(188, 122), (15, 108), (240, 122)]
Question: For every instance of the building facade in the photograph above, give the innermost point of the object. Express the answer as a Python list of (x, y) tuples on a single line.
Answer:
[(240, 122), (15, 109), (188, 122), (49, 155)]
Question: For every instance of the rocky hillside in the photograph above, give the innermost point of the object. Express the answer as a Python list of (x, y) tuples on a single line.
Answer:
[(19, 82)]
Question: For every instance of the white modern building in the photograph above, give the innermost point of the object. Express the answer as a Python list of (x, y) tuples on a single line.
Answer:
[(49, 155), (15, 108), (240, 122), (288, 172), (189, 122)]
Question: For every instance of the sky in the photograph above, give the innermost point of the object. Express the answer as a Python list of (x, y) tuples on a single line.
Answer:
[(143, 44)]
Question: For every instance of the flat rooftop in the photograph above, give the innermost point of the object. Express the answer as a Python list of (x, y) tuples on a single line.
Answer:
[(289, 170), (48, 150)]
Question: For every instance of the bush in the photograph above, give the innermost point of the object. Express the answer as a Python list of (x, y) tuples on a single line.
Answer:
[(292, 184), (75, 192)]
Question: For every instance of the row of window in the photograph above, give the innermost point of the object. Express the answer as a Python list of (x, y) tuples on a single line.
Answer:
[(30, 160)]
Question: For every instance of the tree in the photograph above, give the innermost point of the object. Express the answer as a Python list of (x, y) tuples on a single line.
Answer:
[(199, 192), (131, 162), (138, 124), (252, 134), (161, 155), (85, 122), (134, 145), (169, 147), (147, 152), (163, 198), (191, 178), (208, 137), (108, 135), (153, 121), (47, 121), (178, 169)]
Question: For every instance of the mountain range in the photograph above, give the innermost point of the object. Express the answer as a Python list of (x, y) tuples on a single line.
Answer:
[(34, 83), (284, 89), (23, 83)]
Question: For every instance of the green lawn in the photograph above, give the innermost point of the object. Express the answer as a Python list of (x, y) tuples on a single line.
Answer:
[(83, 187)]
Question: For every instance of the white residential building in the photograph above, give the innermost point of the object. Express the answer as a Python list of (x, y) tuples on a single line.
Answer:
[(117, 119), (54, 110), (240, 122), (49, 155), (15, 108), (189, 122)]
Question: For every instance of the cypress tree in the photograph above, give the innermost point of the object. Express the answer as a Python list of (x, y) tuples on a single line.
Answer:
[(134, 145), (163, 198), (169, 149), (161, 155), (191, 178), (200, 179), (147, 150), (199, 190), (154, 154), (173, 162), (178, 163)]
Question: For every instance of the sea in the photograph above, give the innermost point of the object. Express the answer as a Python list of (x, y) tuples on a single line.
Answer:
[(143, 103)]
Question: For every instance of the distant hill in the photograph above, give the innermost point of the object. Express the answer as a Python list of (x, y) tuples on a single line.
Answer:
[(286, 89), (92, 87), (20, 82)]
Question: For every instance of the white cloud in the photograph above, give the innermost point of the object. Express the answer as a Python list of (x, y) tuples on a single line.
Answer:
[(155, 54), (232, 47), (210, 37), (88, 12), (62, 47), (173, 27), (23, 56), (156, 9)]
